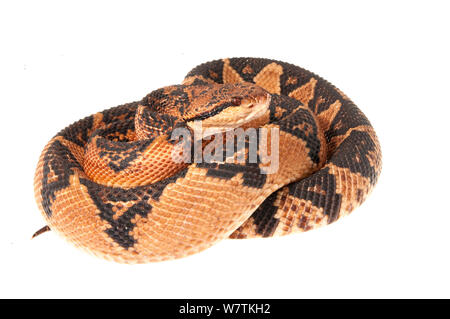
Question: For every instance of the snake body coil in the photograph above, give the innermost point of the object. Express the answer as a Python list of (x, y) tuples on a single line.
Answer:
[(109, 183)]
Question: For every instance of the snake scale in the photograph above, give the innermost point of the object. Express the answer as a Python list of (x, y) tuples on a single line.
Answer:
[(109, 183)]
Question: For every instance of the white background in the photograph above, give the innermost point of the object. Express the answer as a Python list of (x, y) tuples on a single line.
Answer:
[(60, 62)]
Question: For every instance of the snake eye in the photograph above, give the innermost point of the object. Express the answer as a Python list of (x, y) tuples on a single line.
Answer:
[(236, 101)]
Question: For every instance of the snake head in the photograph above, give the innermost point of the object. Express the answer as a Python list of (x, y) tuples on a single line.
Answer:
[(222, 107), (215, 105), (218, 107)]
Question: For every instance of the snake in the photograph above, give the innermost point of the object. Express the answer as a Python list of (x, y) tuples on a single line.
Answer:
[(121, 185)]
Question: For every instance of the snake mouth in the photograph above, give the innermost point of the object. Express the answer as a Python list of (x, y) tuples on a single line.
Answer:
[(232, 117)]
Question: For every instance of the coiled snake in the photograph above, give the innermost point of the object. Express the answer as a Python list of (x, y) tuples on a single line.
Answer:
[(110, 183)]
